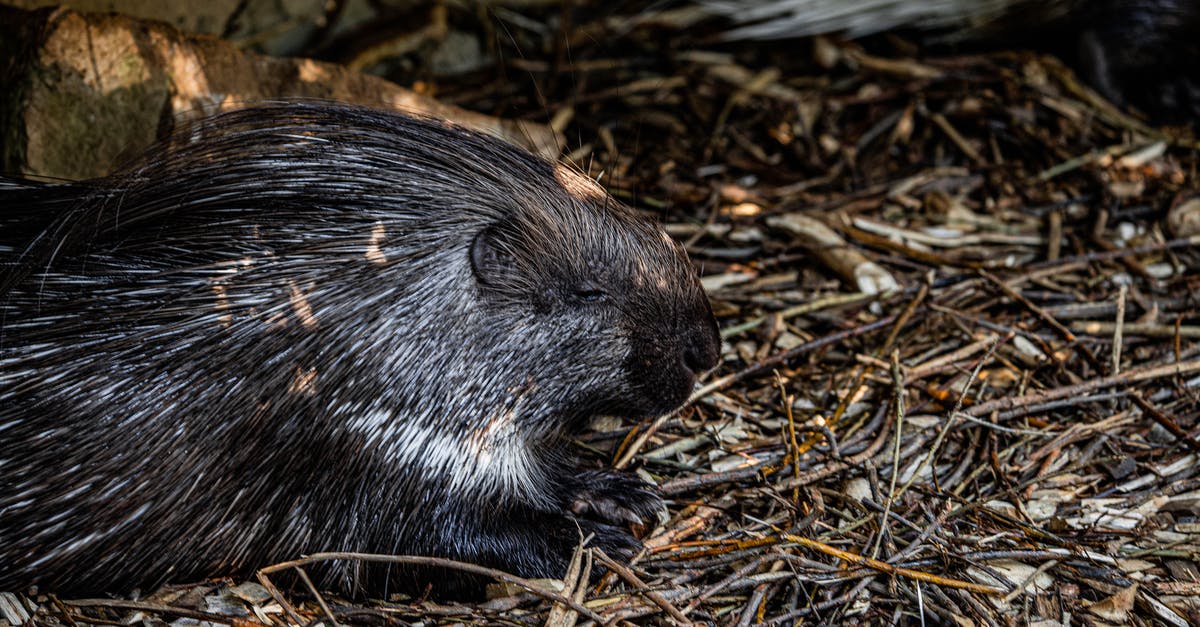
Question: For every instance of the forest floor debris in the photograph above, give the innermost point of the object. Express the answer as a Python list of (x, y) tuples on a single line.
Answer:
[(998, 424)]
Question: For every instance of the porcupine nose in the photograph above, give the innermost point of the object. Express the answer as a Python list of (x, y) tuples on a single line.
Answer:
[(702, 347)]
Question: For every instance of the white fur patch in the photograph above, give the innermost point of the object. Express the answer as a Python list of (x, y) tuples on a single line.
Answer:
[(488, 460)]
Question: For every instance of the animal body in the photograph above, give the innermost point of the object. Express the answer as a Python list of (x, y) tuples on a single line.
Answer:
[(1136, 52), (309, 327)]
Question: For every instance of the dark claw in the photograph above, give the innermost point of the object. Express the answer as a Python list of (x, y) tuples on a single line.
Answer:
[(616, 542)]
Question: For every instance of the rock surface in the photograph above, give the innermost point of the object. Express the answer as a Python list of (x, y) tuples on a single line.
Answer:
[(87, 91)]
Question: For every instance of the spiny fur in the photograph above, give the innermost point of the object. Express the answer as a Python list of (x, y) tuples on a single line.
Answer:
[(308, 327)]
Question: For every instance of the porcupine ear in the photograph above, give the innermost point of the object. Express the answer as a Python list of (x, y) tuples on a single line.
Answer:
[(492, 259)]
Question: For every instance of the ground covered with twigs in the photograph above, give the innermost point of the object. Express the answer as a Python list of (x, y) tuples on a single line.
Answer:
[(961, 381)]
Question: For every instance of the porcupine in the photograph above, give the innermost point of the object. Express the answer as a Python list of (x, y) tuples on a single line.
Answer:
[(307, 327), (1136, 52)]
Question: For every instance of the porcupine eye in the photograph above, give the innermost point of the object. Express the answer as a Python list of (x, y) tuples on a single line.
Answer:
[(589, 293)]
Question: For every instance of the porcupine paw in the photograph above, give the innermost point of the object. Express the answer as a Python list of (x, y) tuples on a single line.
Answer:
[(614, 498), (616, 542)]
